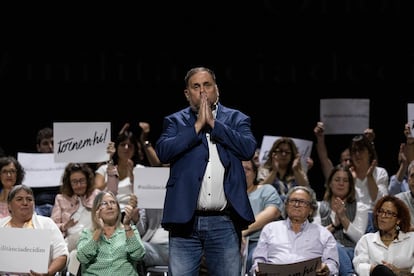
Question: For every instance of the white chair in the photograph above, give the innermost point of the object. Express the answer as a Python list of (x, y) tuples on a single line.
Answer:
[(74, 264)]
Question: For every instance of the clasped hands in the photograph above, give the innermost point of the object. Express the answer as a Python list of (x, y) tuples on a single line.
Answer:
[(205, 114)]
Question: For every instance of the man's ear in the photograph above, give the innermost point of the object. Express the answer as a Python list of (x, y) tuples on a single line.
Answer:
[(186, 94)]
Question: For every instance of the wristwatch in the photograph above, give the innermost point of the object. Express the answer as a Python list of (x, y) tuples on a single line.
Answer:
[(147, 144)]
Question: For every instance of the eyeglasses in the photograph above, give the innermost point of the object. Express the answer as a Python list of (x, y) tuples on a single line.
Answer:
[(387, 214), (7, 172), (80, 181), (105, 204), (298, 202), (283, 152)]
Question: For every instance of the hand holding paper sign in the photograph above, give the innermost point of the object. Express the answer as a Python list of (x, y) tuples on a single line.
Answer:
[(323, 270), (21, 204), (111, 150), (370, 134), (311, 267), (408, 134), (319, 130)]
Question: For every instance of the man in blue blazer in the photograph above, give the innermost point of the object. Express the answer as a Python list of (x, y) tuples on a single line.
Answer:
[(206, 203)]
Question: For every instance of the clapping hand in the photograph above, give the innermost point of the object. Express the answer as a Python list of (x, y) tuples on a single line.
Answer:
[(130, 209), (98, 218)]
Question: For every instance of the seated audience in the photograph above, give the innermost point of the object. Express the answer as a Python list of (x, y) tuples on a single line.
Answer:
[(342, 215), (22, 215), (110, 246), (296, 238), (390, 250), (11, 173)]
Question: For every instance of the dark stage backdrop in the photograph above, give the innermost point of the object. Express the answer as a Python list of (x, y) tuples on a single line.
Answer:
[(274, 61)]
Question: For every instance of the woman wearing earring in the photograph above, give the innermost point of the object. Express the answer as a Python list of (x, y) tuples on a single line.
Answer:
[(390, 250)]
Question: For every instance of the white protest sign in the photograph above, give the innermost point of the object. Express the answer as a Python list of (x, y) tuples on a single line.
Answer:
[(149, 186), (81, 142), (304, 148), (22, 250), (410, 117), (41, 169), (344, 116)]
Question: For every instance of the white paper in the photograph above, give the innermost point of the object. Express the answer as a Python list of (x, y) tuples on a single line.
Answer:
[(149, 186), (81, 142), (344, 116), (410, 117), (304, 148), (41, 169), (22, 250)]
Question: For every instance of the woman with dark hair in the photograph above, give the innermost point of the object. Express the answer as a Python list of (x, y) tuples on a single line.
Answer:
[(371, 180), (266, 204), (11, 173), (283, 168), (390, 250), (71, 211), (117, 175)]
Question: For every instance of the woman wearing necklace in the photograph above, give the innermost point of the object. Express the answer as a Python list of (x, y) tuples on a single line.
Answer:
[(390, 250)]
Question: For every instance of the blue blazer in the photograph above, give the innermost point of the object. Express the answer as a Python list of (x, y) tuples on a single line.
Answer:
[(187, 153)]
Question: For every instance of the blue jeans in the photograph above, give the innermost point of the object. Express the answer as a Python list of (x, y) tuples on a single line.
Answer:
[(44, 210), (249, 263), (346, 254), (213, 236)]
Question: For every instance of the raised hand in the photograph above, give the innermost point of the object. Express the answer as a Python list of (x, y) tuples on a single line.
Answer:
[(98, 218)]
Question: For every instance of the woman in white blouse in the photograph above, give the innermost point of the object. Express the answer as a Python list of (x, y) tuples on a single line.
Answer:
[(390, 250)]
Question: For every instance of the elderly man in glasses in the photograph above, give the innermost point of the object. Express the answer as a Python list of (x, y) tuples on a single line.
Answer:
[(296, 239)]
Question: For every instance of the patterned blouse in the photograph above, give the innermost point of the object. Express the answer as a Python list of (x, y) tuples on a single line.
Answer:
[(117, 255)]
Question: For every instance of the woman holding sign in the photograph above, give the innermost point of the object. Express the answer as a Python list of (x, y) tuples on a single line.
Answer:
[(117, 175), (21, 205)]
